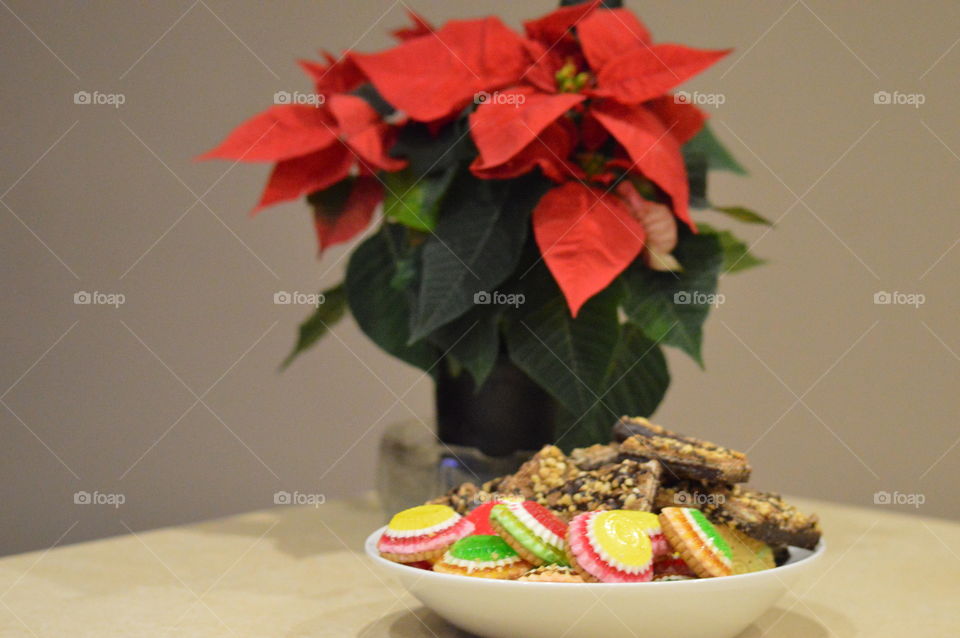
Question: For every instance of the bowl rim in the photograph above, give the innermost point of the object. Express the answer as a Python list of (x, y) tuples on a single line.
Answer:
[(800, 563)]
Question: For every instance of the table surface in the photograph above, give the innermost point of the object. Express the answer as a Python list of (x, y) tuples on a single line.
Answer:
[(301, 571)]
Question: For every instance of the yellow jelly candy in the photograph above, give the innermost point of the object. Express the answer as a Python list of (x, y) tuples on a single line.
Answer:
[(621, 537), (421, 517)]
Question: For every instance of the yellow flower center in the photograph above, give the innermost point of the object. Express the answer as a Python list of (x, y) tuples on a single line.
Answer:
[(569, 80)]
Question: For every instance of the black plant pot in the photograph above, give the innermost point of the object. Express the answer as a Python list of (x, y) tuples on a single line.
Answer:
[(483, 434), (509, 413)]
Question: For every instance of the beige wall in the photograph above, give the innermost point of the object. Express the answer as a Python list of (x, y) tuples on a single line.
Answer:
[(174, 399)]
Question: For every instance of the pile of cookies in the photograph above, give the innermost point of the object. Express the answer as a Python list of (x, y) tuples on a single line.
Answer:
[(652, 505)]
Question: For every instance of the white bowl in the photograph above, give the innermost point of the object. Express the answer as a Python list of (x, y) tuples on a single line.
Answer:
[(703, 608)]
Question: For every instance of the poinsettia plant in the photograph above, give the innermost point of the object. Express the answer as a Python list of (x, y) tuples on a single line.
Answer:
[(537, 194)]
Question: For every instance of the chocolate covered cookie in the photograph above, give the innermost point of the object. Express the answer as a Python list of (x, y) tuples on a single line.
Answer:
[(595, 456), (695, 494), (767, 517), (683, 457), (546, 470), (627, 485)]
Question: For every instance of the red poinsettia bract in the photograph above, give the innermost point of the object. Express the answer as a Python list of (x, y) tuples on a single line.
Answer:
[(436, 75), (583, 95), (610, 81), (318, 145)]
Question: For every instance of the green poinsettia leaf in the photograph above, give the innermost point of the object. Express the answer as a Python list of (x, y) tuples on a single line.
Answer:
[(670, 307), (697, 178), (332, 199), (565, 356), (429, 151), (372, 96), (706, 144), (743, 214), (381, 310), (636, 379), (736, 254), (472, 341), (405, 274), (634, 383), (328, 312), (415, 201), (476, 246)]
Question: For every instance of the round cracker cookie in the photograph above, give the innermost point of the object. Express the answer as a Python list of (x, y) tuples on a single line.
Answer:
[(697, 541)]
